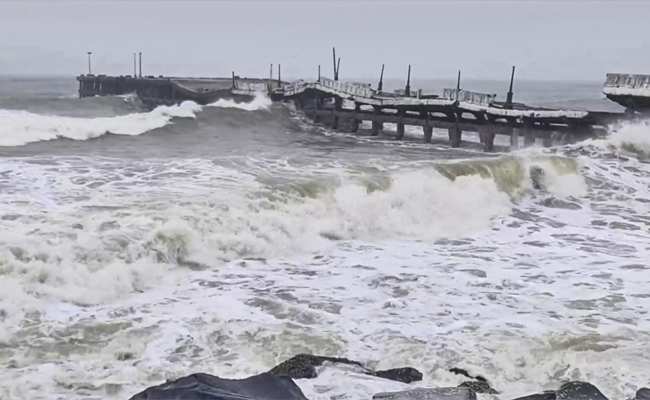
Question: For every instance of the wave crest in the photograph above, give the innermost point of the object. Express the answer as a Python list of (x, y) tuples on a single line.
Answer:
[(18, 128)]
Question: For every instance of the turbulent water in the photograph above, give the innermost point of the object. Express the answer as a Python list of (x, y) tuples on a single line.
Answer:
[(143, 245)]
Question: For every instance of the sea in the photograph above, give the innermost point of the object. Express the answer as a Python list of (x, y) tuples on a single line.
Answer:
[(141, 245)]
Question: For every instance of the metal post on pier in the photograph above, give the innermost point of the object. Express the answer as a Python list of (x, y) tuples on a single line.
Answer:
[(337, 65), (135, 63), (279, 76), (509, 96), (270, 79), (140, 56), (233, 79), (458, 87), (380, 87), (89, 70), (407, 89), (334, 62), (319, 73)]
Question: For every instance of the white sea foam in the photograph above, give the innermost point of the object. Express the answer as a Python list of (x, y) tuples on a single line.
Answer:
[(423, 271), (632, 137), (259, 102), (21, 127)]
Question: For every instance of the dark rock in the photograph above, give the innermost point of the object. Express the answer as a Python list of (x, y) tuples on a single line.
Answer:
[(209, 387), (579, 391), (642, 394), (77, 226), (428, 394), (478, 387), (460, 371), (406, 375), (548, 395), (303, 366)]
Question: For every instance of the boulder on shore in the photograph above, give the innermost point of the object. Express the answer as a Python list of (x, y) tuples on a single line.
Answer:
[(303, 366), (202, 386)]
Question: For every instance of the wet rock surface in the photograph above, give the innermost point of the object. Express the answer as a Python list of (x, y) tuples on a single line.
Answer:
[(209, 387), (303, 366)]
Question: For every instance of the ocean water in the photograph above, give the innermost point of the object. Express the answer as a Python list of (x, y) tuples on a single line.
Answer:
[(139, 246)]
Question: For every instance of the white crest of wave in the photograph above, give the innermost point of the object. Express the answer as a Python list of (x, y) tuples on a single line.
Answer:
[(18, 128), (633, 137), (259, 102)]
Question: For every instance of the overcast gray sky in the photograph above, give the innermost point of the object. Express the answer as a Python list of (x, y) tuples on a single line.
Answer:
[(545, 39)]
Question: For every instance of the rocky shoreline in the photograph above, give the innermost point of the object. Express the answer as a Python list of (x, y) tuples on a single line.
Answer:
[(278, 384)]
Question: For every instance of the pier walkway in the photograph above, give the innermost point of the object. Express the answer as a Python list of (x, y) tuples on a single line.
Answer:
[(457, 110)]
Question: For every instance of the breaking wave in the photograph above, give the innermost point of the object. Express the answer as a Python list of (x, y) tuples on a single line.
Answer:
[(628, 137), (18, 128), (260, 102), (200, 215)]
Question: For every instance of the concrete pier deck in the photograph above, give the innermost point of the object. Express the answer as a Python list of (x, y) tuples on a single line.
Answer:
[(457, 110)]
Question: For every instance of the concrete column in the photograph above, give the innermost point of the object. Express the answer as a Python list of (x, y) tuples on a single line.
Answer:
[(489, 141), (529, 139), (318, 102), (400, 124), (355, 121), (338, 105), (376, 126), (455, 133), (428, 130)]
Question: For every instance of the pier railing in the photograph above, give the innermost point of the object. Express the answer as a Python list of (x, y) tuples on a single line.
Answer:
[(467, 96), (353, 89), (627, 81), (252, 87)]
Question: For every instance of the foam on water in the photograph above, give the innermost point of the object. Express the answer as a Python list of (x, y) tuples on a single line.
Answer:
[(21, 127), (432, 265), (260, 102), (121, 274)]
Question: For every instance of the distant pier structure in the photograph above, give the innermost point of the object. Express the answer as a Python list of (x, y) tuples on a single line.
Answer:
[(630, 91), (344, 105)]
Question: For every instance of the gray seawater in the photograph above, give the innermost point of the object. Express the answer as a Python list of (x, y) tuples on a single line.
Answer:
[(138, 246)]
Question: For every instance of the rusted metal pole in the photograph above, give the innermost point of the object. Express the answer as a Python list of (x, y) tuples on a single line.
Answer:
[(380, 87), (509, 96), (338, 67), (334, 61), (407, 90)]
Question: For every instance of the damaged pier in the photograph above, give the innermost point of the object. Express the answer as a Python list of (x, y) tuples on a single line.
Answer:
[(156, 91), (456, 111)]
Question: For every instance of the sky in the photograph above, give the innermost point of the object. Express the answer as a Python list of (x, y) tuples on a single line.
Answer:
[(546, 40)]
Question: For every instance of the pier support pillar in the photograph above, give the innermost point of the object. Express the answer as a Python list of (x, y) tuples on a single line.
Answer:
[(428, 130), (338, 105), (488, 137), (455, 133), (547, 142), (514, 138), (376, 125), (355, 121), (318, 103), (529, 139), (400, 125)]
